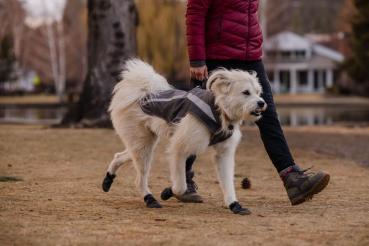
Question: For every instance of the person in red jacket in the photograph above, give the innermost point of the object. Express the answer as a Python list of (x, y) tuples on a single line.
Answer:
[(226, 33)]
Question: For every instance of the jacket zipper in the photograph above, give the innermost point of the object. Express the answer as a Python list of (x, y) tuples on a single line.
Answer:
[(220, 24), (219, 28), (248, 29)]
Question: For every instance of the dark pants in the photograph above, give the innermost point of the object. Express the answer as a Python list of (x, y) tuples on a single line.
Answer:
[(269, 126)]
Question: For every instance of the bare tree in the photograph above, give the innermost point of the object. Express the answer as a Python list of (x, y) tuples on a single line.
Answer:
[(49, 17), (11, 17), (303, 16), (111, 40)]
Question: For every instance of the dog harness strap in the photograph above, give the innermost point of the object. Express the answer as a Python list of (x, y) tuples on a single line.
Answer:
[(168, 105), (172, 105), (211, 120), (220, 137)]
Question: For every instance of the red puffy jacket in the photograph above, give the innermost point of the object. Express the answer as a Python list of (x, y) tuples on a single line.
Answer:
[(223, 30)]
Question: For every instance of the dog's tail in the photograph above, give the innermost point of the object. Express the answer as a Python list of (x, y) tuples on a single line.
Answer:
[(138, 80)]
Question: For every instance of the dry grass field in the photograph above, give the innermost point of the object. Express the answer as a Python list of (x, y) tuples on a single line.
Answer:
[(60, 202)]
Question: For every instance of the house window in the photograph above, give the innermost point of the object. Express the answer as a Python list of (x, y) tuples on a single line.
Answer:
[(300, 54), (270, 75), (324, 78), (271, 54), (302, 78), (286, 55), (335, 75), (285, 79), (316, 79)]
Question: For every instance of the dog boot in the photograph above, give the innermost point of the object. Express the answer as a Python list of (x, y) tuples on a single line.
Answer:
[(302, 186), (108, 181), (151, 202), (236, 208)]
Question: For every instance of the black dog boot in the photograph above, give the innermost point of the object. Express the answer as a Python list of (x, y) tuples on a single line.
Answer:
[(151, 202), (108, 180), (302, 186), (166, 194), (236, 208)]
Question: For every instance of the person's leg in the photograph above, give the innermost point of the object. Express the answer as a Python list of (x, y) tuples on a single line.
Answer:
[(190, 174), (299, 185), (270, 128)]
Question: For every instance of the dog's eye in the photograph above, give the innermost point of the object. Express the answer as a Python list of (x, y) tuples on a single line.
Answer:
[(246, 92)]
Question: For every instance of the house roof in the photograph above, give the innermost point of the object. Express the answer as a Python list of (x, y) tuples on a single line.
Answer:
[(286, 41), (289, 41), (328, 52)]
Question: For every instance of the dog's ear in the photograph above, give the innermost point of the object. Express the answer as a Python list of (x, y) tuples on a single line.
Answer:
[(254, 75), (219, 81)]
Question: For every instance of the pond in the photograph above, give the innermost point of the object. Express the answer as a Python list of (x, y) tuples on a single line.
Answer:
[(289, 116), (323, 115), (31, 115)]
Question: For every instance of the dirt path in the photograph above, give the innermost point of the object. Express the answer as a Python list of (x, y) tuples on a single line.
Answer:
[(60, 200)]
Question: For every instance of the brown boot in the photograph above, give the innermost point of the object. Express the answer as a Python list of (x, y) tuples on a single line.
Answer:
[(191, 194), (302, 186)]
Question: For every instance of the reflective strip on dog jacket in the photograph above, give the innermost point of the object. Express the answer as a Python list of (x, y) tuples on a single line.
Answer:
[(172, 105)]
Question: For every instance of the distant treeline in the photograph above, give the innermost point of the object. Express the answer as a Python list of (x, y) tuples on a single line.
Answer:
[(304, 16)]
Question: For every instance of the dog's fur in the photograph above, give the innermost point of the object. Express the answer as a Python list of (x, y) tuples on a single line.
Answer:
[(139, 131)]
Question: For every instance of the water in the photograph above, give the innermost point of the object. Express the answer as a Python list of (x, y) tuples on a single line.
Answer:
[(31, 115), (323, 115), (289, 116)]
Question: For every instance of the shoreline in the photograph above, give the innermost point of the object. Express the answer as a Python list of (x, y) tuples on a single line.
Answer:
[(281, 100)]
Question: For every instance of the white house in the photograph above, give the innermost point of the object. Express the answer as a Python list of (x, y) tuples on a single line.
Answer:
[(295, 64)]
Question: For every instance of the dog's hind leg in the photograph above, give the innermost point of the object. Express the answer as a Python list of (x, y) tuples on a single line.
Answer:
[(142, 158), (190, 137), (177, 172), (119, 159)]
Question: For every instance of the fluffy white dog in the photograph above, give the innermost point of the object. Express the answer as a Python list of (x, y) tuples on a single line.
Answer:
[(236, 97)]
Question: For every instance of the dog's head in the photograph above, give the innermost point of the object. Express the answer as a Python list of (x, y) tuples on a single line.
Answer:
[(237, 93)]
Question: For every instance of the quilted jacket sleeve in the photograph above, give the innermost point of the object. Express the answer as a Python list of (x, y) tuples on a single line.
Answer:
[(195, 24)]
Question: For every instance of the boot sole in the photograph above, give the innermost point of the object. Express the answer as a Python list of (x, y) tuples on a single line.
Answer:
[(189, 199), (313, 191)]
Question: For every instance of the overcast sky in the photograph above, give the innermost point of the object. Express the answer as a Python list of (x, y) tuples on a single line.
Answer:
[(40, 12)]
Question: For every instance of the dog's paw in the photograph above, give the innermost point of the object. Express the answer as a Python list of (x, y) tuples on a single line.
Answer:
[(238, 209), (166, 194), (151, 202), (108, 180)]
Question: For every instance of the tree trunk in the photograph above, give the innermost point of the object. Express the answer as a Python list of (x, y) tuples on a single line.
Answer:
[(111, 40)]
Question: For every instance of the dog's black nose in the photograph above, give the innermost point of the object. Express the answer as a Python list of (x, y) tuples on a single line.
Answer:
[(261, 104)]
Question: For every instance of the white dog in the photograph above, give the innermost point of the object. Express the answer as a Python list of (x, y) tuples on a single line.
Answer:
[(236, 97)]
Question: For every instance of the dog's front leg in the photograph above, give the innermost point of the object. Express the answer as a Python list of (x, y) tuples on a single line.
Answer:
[(224, 159), (190, 137), (177, 172), (225, 167)]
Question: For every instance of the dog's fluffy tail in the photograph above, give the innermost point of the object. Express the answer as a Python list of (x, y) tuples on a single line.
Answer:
[(138, 80)]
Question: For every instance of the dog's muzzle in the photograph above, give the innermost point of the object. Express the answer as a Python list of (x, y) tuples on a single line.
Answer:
[(260, 108)]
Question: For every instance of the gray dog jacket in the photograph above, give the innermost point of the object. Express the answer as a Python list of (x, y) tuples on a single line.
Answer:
[(172, 105)]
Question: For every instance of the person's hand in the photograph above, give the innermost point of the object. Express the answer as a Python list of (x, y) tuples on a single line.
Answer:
[(199, 73)]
